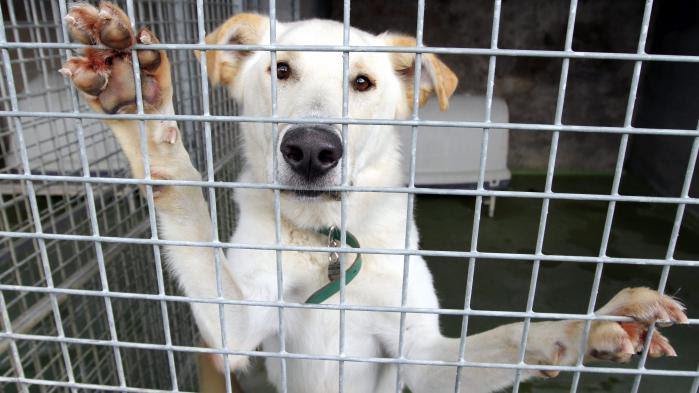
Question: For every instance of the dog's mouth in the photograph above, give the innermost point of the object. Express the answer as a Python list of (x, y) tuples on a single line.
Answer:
[(310, 194)]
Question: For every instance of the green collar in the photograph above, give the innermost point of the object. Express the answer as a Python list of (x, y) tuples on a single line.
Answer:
[(333, 234)]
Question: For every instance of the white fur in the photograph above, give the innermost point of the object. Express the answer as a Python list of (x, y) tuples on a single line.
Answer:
[(376, 219)]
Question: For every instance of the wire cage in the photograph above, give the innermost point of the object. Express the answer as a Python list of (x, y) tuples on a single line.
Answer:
[(55, 149), (85, 302)]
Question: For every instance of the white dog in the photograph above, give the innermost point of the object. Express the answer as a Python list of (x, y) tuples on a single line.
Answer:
[(308, 157)]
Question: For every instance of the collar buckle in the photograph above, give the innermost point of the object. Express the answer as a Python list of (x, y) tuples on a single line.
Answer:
[(333, 257)]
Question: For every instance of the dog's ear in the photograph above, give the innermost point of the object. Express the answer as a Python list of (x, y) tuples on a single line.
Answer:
[(436, 77), (241, 29)]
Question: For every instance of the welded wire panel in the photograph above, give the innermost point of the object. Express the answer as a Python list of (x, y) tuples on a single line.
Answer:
[(68, 147), (85, 300)]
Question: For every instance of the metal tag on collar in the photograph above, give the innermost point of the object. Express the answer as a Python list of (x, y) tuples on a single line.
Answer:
[(334, 286), (333, 257)]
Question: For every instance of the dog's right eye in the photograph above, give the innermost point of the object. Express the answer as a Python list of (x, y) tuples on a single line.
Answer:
[(283, 71)]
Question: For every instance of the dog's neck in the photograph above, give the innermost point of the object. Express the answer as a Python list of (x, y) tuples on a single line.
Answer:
[(368, 214)]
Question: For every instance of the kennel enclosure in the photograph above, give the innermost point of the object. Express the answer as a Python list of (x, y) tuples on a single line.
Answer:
[(86, 303), (53, 147)]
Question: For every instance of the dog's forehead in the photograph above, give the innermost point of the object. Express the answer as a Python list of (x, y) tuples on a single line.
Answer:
[(324, 32), (329, 33)]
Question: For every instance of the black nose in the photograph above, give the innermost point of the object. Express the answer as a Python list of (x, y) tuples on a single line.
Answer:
[(311, 150)]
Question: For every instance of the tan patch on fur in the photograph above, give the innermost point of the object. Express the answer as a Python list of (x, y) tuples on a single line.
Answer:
[(243, 29), (444, 80)]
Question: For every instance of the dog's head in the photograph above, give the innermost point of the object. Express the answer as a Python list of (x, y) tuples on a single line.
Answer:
[(310, 85)]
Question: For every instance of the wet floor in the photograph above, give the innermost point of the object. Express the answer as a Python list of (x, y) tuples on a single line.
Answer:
[(574, 228)]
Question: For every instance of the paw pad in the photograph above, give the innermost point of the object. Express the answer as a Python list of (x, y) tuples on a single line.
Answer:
[(106, 75)]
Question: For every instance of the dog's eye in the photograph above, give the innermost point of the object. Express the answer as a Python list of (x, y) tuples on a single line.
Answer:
[(283, 71), (362, 83)]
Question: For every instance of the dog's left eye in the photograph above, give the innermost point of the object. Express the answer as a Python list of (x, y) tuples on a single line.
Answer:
[(283, 71), (362, 83)]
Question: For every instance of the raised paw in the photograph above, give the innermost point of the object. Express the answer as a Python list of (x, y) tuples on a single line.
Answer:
[(618, 341), (105, 76)]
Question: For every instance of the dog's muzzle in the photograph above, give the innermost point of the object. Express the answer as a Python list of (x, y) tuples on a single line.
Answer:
[(311, 151)]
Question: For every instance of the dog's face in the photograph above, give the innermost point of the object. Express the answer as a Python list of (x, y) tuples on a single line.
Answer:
[(309, 156), (309, 85)]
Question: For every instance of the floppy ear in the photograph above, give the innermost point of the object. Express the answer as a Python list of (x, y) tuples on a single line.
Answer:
[(435, 76), (241, 29)]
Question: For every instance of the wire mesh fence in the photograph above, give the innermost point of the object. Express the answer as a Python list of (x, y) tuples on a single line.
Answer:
[(53, 148), (84, 299)]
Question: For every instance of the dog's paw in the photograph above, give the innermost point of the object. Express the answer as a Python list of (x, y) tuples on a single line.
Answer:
[(619, 341), (106, 76)]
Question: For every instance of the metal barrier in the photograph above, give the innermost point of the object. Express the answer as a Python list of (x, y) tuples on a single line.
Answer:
[(79, 314)]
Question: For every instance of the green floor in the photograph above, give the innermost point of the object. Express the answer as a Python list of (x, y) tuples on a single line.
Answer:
[(574, 228)]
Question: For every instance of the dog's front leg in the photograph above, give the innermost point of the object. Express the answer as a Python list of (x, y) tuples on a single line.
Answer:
[(106, 79), (554, 343)]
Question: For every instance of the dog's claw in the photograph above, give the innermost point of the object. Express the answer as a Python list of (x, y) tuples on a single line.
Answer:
[(145, 38), (168, 132), (646, 307), (148, 59), (660, 346), (664, 322), (171, 135)]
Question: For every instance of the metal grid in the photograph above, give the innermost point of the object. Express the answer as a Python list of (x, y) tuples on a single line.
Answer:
[(68, 147), (71, 323)]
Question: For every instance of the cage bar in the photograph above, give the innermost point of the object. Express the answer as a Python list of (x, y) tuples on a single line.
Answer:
[(62, 260)]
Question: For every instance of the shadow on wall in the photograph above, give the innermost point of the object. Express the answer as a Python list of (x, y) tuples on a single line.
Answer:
[(597, 89), (668, 99)]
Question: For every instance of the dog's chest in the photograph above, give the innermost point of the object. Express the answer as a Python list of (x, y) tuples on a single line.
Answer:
[(304, 272)]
